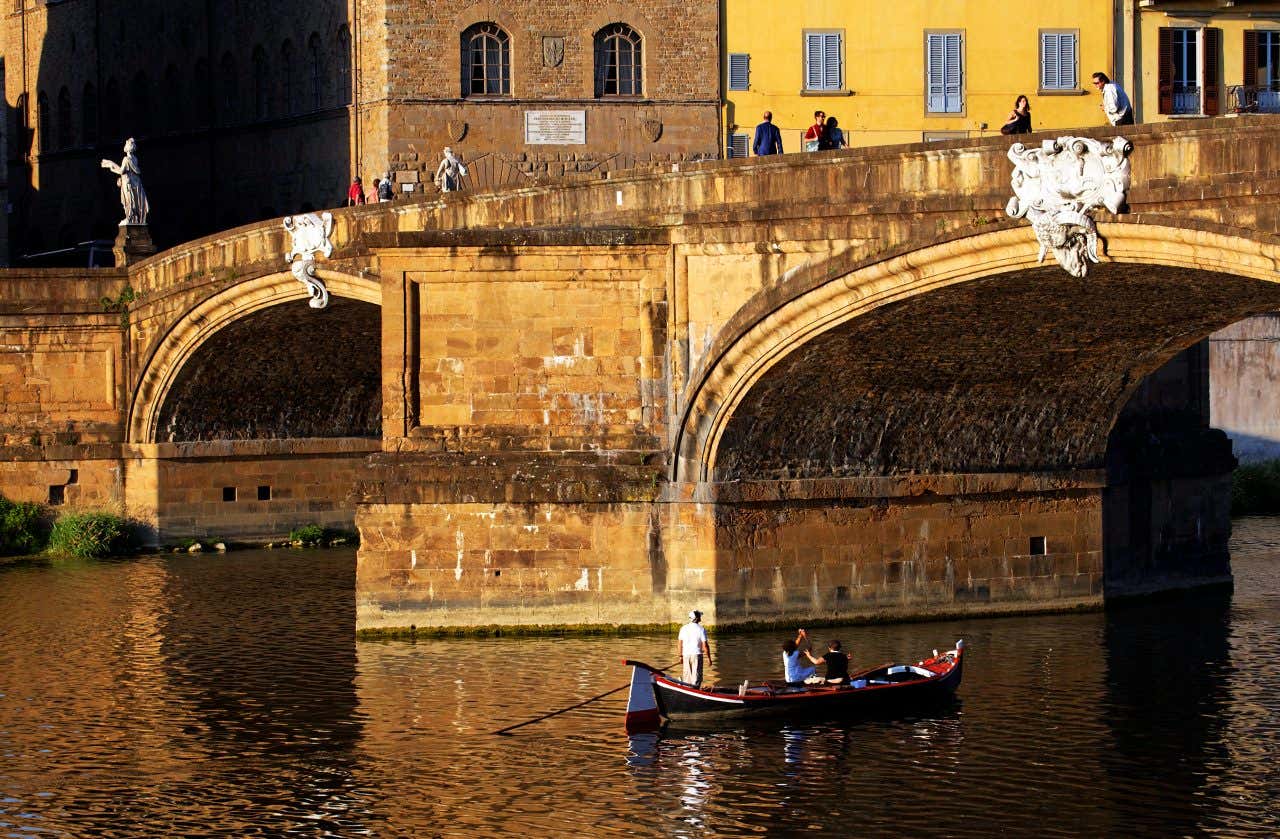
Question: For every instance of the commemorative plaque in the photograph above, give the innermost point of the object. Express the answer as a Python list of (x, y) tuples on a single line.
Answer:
[(555, 128)]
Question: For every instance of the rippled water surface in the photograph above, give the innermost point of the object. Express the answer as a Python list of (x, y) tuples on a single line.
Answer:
[(225, 696)]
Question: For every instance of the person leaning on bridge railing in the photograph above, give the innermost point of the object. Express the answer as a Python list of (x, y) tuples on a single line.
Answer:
[(1115, 102)]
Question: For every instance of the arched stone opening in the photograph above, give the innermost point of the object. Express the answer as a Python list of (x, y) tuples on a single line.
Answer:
[(284, 372), (1022, 371), (957, 427), (253, 412)]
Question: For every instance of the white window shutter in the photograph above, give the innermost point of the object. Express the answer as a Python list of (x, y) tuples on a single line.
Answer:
[(1049, 75), (831, 61), (954, 76), (813, 61), (739, 71), (738, 145), (1067, 61), (934, 74)]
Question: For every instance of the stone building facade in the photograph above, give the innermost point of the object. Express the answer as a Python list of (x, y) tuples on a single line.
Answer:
[(248, 109)]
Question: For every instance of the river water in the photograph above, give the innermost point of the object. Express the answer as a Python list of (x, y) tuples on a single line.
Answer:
[(225, 696)]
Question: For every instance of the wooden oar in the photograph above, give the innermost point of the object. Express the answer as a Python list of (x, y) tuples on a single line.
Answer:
[(510, 728)]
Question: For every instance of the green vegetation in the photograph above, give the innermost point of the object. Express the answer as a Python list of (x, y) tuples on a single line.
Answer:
[(308, 534), (89, 535), (313, 535), (1255, 489), (120, 304), (23, 527)]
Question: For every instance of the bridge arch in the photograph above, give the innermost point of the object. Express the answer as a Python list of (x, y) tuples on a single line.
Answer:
[(769, 331), (204, 320)]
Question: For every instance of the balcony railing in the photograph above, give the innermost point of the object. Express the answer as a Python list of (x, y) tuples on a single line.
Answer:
[(1186, 99), (1254, 99)]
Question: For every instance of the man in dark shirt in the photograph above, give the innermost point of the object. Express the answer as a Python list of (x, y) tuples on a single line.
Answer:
[(768, 138), (837, 662)]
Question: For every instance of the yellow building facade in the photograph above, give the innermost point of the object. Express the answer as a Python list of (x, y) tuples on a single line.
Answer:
[(912, 70), (1189, 58)]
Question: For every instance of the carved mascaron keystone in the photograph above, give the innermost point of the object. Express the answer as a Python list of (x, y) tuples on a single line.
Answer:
[(310, 234), (1059, 185)]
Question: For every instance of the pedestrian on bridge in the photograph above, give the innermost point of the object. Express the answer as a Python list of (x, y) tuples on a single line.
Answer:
[(355, 192), (768, 139), (1115, 102)]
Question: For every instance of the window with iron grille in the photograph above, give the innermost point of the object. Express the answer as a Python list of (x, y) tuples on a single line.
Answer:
[(739, 145), (739, 71), (944, 73), (823, 60), (618, 61), (1058, 62), (486, 61)]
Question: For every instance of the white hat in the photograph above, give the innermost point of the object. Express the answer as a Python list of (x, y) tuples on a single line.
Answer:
[(695, 615)]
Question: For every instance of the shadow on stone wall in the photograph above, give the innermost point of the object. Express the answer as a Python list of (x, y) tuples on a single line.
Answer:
[(238, 117)]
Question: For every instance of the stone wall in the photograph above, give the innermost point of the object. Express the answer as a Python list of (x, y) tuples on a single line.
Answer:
[(226, 133), (543, 557), (243, 490), (675, 118), (1245, 363)]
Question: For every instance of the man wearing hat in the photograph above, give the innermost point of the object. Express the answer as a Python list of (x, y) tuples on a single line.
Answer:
[(691, 646)]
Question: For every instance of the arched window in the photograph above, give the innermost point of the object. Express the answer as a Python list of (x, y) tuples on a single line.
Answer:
[(89, 114), (174, 100), (316, 60), (288, 89), (227, 85), (200, 93), (344, 66), (618, 56), (261, 84), (44, 128), (111, 111), (486, 61), (65, 131), (140, 106)]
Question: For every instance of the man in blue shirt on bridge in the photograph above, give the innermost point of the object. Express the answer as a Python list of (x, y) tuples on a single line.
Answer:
[(768, 138)]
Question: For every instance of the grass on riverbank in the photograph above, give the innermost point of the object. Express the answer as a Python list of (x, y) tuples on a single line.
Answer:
[(89, 535), (1255, 489), (27, 528)]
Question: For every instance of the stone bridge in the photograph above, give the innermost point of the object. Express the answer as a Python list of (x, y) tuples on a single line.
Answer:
[(821, 386)]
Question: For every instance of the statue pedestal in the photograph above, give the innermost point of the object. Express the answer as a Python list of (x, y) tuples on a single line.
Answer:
[(133, 243)]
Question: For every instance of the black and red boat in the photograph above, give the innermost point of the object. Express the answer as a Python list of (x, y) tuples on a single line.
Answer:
[(655, 696)]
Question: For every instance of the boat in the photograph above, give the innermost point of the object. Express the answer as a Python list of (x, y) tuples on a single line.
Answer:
[(656, 697)]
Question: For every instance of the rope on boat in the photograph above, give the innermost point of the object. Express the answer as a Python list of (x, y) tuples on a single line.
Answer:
[(505, 731)]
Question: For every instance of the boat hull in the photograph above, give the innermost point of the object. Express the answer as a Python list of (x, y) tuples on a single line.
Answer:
[(888, 688)]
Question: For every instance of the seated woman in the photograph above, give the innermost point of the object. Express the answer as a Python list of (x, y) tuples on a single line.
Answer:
[(837, 662), (793, 666)]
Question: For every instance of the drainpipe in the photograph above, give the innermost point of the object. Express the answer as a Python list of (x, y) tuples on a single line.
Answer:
[(357, 78)]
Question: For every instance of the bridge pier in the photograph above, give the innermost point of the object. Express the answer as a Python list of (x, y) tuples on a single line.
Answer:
[(453, 541)]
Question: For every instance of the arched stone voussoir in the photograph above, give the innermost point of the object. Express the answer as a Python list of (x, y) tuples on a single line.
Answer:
[(761, 337), (207, 317)]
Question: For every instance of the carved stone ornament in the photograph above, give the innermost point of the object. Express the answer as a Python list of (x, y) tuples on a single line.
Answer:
[(457, 129), (552, 51), (311, 234), (1059, 185), (652, 129)]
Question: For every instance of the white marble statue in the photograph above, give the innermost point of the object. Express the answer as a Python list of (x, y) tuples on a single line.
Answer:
[(132, 196), (1059, 185), (450, 172), (310, 235)]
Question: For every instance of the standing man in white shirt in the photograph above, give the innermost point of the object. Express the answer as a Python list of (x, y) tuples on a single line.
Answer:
[(1115, 102), (692, 645)]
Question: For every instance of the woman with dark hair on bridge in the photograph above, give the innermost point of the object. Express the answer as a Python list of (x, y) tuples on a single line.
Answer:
[(1019, 121)]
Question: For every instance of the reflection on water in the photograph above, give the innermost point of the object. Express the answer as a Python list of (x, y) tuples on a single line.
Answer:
[(225, 695)]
